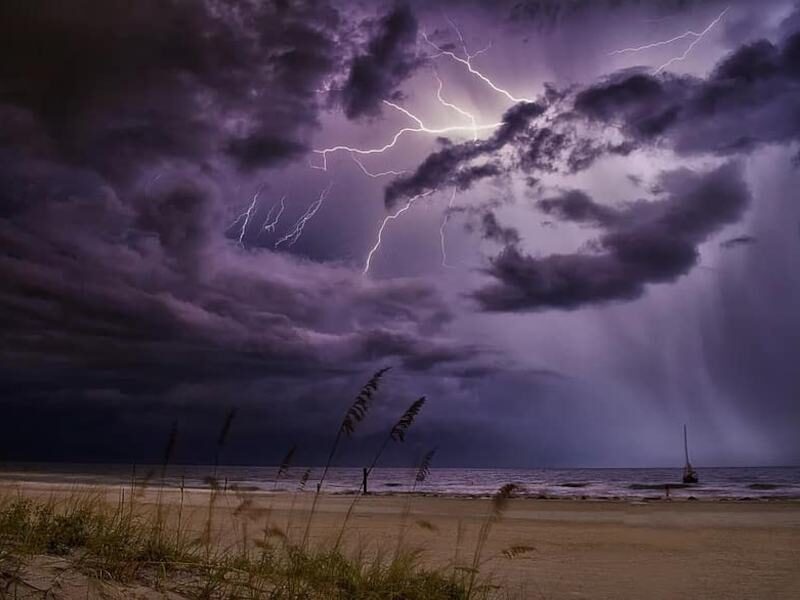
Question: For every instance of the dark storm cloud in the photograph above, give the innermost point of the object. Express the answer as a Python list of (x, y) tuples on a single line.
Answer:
[(493, 230), (120, 125), (389, 59), (119, 269), (447, 165), (141, 293), (534, 138), (435, 171), (263, 149), (416, 354), (644, 242), (749, 99), (638, 98), (463, 178), (128, 128), (578, 206), (159, 285), (121, 86)]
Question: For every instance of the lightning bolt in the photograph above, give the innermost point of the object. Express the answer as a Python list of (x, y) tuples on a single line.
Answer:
[(467, 62), (385, 222), (459, 110), (463, 43), (269, 225), (687, 34), (246, 216), (420, 128), (297, 230), (374, 175), (442, 228), (474, 127)]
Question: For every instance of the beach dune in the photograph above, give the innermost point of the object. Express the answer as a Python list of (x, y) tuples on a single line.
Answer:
[(540, 548)]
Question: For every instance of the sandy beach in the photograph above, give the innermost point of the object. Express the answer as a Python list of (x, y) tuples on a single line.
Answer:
[(567, 548)]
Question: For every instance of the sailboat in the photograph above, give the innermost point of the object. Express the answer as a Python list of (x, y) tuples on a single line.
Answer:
[(689, 474)]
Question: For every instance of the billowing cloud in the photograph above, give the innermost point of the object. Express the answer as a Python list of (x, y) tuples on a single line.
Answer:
[(389, 59), (132, 134), (123, 86), (116, 143), (493, 230), (450, 165), (155, 283), (578, 206), (645, 242), (749, 100)]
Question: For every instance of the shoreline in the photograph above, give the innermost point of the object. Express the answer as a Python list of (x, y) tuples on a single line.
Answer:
[(718, 484), (232, 489), (682, 494), (593, 549)]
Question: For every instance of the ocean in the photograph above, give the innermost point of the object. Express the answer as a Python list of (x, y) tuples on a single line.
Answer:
[(624, 484)]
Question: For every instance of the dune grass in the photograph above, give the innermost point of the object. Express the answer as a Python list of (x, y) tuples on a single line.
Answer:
[(133, 541)]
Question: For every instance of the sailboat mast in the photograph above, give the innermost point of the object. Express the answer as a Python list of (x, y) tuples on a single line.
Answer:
[(689, 474), (685, 445)]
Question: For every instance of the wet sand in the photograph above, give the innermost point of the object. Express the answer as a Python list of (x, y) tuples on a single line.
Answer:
[(581, 549)]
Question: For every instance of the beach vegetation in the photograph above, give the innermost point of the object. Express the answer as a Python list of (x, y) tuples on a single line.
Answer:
[(236, 550)]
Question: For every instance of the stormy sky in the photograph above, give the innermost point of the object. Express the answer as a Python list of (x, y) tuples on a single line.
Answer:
[(572, 225)]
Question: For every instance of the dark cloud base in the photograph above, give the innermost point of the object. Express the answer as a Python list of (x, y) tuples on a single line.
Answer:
[(124, 126), (119, 124), (390, 58), (644, 242)]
